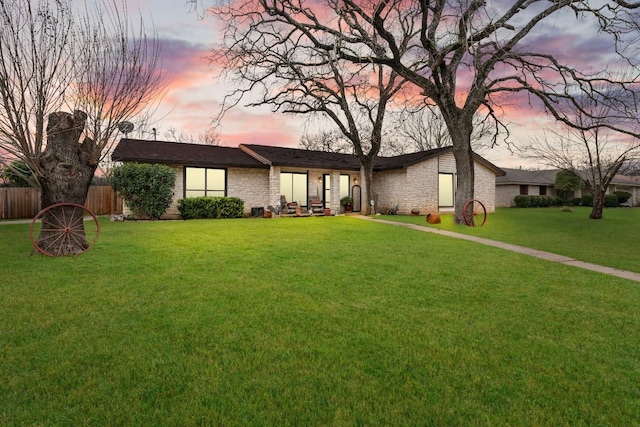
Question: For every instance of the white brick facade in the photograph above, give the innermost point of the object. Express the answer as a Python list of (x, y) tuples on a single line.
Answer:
[(417, 187)]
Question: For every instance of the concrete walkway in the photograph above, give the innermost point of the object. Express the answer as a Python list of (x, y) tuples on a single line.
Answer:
[(519, 249)]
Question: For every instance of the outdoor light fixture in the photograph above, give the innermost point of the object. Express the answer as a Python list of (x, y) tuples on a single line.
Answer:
[(355, 181), (319, 180)]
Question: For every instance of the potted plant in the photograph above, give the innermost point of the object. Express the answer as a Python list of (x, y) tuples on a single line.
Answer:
[(347, 202)]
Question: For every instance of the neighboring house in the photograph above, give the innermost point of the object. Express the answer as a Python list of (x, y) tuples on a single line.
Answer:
[(541, 182), (520, 181), (260, 175)]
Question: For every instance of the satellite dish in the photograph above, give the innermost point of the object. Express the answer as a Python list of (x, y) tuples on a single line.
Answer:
[(125, 127)]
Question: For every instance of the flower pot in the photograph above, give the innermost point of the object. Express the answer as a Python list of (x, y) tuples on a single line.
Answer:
[(348, 207), (327, 211), (267, 214)]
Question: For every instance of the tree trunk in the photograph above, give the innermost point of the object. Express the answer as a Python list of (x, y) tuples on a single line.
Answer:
[(461, 139), (68, 168), (598, 204)]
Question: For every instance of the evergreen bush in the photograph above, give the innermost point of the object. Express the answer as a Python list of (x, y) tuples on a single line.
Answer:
[(586, 200), (611, 201), (146, 188), (211, 207), (522, 201), (623, 196)]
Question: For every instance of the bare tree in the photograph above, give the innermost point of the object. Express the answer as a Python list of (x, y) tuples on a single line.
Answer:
[(302, 79), (632, 167), (424, 128), (331, 141), (435, 44), (94, 64), (208, 137), (591, 152)]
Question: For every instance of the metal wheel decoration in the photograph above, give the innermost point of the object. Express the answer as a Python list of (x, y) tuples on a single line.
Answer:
[(474, 213), (64, 229)]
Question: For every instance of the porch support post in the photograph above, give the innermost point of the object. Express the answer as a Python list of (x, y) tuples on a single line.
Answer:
[(335, 191), (274, 185)]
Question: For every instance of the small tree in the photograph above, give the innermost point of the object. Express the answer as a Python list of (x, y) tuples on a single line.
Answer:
[(567, 182), (146, 188)]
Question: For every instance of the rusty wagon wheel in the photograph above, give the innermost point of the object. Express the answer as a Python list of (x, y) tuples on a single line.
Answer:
[(64, 229), (474, 213)]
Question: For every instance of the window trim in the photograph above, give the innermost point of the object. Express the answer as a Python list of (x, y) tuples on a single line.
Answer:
[(302, 203), (185, 188)]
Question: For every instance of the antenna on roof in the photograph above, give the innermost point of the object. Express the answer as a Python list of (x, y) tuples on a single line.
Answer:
[(125, 127)]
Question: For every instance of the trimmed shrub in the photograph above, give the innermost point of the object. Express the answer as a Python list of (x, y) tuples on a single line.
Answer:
[(587, 200), (576, 201), (522, 201), (623, 196), (545, 201), (147, 188), (556, 201), (210, 207), (535, 201), (611, 201)]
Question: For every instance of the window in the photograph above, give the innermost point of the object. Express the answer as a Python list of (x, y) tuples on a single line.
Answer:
[(543, 190), (445, 190), (294, 186), (327, 189), (344, 186), (524, 189), (205, 182)]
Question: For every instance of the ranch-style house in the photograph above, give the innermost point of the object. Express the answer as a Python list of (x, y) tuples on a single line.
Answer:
[(265, 176)]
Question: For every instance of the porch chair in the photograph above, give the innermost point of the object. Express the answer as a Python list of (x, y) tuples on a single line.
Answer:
[(287, 207)]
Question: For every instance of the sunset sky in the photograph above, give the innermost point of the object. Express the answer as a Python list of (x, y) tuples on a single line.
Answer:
[(193, 92)]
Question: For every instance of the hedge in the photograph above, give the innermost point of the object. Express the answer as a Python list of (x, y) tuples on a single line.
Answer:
[(210, 207), (533, 201)]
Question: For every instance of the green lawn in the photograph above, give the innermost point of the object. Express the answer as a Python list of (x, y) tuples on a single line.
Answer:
[(613, 241), (303, 322)]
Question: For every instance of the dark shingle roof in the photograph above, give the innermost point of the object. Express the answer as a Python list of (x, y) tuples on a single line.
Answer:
[(527, 177), (138, 150), (296, 157), (261, 156), (406, 160)]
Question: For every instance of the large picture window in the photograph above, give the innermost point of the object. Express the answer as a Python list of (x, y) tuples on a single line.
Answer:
[(294, 187), (445, 190), (205, 182)]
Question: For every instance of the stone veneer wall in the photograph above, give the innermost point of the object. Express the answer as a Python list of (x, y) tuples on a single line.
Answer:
[(505, 195), (250, 185), (388, 189), (417, 186), (485, 187), (422, 187)]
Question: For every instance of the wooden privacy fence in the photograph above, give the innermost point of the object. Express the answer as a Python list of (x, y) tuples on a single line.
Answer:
[(24, 203)]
